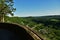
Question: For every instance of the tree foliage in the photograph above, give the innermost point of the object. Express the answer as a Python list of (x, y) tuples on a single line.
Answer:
[(6, 7)]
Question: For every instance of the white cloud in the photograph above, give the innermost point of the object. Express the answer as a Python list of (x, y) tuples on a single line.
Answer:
[(39, 13)]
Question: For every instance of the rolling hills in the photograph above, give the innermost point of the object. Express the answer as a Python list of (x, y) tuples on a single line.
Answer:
[(47, 26)]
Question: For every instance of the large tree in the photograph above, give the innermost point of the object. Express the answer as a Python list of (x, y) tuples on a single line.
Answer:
[(6, 7)]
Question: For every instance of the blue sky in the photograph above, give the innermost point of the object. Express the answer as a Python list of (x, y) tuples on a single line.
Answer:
[(37, 7)]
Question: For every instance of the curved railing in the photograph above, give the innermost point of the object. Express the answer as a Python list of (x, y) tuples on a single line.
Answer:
[(19, 32)]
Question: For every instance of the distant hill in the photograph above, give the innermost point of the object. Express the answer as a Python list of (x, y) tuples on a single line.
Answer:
[(50, 16)]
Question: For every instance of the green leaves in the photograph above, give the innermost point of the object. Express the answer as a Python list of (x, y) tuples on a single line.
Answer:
[(6, 7)]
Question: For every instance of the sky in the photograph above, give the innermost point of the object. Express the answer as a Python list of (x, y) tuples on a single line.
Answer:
[(36, 7)]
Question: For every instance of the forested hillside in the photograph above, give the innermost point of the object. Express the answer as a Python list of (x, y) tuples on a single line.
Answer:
[(47, 26)]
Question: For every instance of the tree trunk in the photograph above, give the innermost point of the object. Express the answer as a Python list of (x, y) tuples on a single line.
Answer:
[(3, 18)]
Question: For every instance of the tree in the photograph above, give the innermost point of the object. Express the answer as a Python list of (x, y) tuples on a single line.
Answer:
[(6, 7)]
